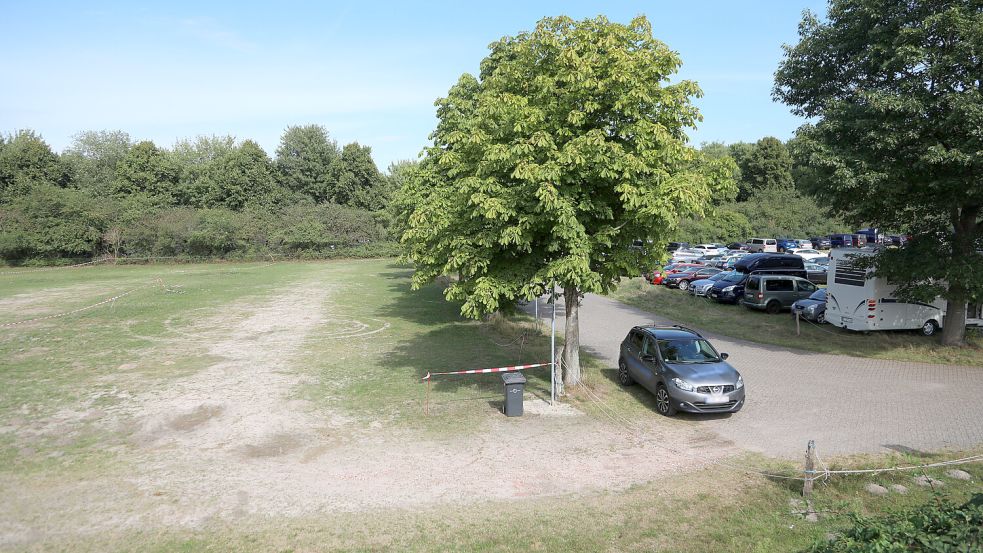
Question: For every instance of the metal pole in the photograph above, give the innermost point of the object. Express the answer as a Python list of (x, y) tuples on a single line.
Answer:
[(553, 350)]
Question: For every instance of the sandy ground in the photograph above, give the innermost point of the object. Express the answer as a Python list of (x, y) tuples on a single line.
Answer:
[(230, 441)]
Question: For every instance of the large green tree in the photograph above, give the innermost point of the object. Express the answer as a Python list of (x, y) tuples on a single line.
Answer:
[(92, 157), (25, 160), (147, 169), (569, 145), (894, 88), (360, 184), (308, 162)]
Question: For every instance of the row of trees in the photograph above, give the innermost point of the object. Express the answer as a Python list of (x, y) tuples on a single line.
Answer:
[(207, 196), (772, 198)]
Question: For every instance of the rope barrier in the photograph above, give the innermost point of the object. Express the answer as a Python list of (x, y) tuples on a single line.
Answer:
[(158, 282), (485, 371), (41, 269)]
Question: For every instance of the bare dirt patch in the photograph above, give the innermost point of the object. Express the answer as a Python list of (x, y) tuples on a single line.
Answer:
[(230, 440)]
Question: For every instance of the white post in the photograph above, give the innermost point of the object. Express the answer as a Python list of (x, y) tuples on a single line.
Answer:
[(537, 314), (553, 351)]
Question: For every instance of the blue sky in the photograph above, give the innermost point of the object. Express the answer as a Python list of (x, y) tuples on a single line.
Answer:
[(369, 71)]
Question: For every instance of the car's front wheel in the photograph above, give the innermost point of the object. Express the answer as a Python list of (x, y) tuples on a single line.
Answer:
[(929, 328), (663, 402), (821, 318), (624, 377), (684, 285)]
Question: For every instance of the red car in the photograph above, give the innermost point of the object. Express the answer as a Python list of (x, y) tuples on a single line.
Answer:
[(658, 277)]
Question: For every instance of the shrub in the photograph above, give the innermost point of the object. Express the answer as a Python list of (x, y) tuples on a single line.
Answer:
[(939, 527)]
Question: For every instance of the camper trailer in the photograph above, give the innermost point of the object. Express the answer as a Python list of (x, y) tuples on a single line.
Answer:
[(856, 300)]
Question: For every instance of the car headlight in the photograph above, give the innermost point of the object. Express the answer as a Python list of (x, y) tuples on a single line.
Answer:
[(740, 382), (728, 289), (683, 385), (811, 309)]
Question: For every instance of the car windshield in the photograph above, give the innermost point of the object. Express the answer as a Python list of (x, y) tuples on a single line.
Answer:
[(819, 295), (716, 277), (733, 277), (687, 351)]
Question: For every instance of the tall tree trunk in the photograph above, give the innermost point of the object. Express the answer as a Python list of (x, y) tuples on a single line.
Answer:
[(571, 337), (963, 246)]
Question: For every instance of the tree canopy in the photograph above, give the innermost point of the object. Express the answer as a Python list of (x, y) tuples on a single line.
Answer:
[(569, 145), (895, 92)]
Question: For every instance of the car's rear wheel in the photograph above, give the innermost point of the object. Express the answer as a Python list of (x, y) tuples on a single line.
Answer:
[(683, 284), (773, 307), (929, 328), (624, 377), (663, 402)]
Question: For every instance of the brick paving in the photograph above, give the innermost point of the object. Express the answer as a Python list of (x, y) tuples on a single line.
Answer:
[(846, 404)]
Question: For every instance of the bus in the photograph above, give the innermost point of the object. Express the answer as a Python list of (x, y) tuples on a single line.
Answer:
[(857, 300)]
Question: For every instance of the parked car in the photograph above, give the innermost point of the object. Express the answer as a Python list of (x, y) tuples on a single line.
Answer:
[(707, 260), (816, 273), (682, 280), (812, 308), (729, 288), (820, 242), (805, 244), (700, 287), (659, 276), (686, 255), (762, 245), (841, 241), (772, 293), (807, 253), (736, 246), (673, 246), (707, 249), (682, 369), (873, 236), (787, 244), (772, 263), (898, 240)]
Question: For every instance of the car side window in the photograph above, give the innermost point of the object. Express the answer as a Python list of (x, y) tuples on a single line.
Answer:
[(806, 286), (636, 340), (648, 347), (779, 285)]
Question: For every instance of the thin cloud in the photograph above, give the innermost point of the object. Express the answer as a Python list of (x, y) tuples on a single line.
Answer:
[(209, 30)]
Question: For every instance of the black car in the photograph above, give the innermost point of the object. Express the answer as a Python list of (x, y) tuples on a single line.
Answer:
[(673, 246), (772, 264), (682, 369), (817, 273), (812, 308), (729, 289)]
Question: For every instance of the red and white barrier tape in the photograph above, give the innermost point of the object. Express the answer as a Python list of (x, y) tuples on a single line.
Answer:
[(80, 309), (495, 370)]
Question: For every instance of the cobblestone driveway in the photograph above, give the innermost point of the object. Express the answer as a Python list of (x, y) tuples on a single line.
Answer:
[(847, 404)]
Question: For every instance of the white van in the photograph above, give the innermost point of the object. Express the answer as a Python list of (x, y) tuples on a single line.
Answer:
[(856, 300), (756, 245)]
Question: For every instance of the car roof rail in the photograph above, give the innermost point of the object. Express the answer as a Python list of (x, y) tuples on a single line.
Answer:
[(688, 329)]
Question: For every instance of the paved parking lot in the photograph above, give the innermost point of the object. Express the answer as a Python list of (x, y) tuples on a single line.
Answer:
[(847, 404)]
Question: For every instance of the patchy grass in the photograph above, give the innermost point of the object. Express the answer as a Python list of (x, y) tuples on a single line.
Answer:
[(711, 509), (739, 322)]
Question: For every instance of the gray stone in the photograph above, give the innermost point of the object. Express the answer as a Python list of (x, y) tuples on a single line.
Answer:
[(959, 474), (899, 489), (875, 489), (928, 482)]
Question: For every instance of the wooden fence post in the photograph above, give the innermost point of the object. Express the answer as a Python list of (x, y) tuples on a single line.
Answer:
[(810, 471)]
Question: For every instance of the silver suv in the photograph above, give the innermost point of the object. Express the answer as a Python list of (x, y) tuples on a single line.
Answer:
[(682, 369)]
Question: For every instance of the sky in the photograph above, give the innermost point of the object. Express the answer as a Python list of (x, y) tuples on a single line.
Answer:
[(367, 71)]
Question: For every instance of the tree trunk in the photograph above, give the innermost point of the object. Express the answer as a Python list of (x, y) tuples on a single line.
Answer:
[(954, 329), (963, 246), (571, 337)]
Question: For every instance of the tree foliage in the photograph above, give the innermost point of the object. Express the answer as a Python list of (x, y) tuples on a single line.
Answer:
[(308, 162), (567, 147), (895, 92)]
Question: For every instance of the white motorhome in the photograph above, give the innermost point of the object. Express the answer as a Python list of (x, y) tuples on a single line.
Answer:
[(856, 300)]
